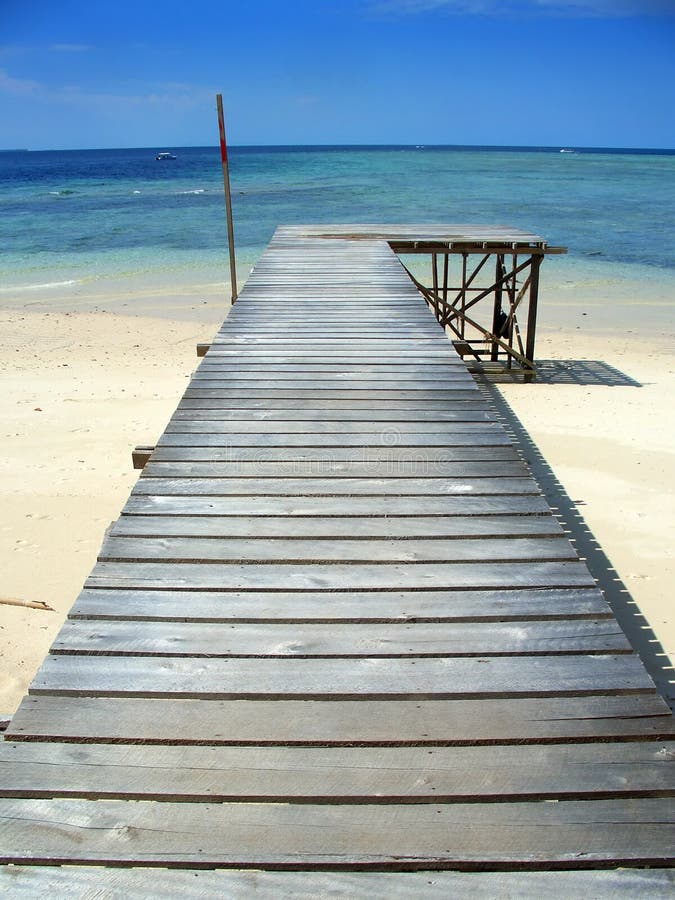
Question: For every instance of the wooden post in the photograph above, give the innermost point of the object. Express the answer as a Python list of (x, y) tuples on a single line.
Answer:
[(434, 283), (532, 308), (496, 314), (511, 291), (463, 305), (228, 196), (140, 456)]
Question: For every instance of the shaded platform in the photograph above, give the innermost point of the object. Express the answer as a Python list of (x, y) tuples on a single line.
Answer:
[(337, 627)]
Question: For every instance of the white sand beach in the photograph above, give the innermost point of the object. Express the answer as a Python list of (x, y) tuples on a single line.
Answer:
[(79, 391), (81, 388)]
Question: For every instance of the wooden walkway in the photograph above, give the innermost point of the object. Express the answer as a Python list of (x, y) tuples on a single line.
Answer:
[(335, 628)]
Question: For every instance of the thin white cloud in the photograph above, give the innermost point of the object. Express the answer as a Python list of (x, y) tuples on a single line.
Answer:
[(14, 51), (71, 48), (18, 87), (172, 95), (306, 100), (577, 8)]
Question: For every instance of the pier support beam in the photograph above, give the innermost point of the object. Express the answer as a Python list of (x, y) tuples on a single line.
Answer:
[(496, 336)]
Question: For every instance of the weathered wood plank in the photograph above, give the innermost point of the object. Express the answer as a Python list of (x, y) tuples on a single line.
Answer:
[(374, 340), (403, 326), (490, 434), (214, 366), (397, 366), (225, 412), (352, 375), (398, 456), (349, 679), (349, 351), (337, 577), (573, 832), (333, 367), (88, 881), (338, 386), (358, 606), (452, 366), (335, 528), (306, 550), (333, 420), (339, 775), (255, 322), (257, 391), (381, 506), (336, 469), (349, 640), (389, 431), (344, 722), (374, 235), (333, 487), (356, 405)]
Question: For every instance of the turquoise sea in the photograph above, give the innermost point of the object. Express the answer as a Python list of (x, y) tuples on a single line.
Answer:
[(81, 219)]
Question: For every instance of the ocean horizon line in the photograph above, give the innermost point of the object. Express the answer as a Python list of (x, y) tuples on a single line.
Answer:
[(271, 148)]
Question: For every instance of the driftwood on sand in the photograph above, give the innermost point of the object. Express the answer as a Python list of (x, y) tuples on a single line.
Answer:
[(31, 604)]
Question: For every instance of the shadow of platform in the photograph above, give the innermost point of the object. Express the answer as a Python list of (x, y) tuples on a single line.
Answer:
[(585, 372), (626, 610)]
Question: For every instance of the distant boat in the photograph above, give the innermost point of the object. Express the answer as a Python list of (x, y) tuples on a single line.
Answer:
[(567, 150), (165, 155)]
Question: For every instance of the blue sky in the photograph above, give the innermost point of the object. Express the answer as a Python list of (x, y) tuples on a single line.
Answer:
[(77, 74)]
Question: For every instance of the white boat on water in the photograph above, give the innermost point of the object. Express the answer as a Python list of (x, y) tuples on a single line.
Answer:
[(567, 150), (165, 155)]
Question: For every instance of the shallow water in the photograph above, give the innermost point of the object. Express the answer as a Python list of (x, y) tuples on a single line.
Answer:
[(81, 225)]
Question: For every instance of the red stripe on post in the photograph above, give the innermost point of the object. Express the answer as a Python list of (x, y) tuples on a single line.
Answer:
[(221, 129), (223, 146)]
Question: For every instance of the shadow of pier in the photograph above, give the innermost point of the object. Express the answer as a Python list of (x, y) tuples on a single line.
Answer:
[(585, 372), (566, 510)]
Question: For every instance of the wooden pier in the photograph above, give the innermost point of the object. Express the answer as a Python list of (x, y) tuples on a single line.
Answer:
[(337, 644)]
